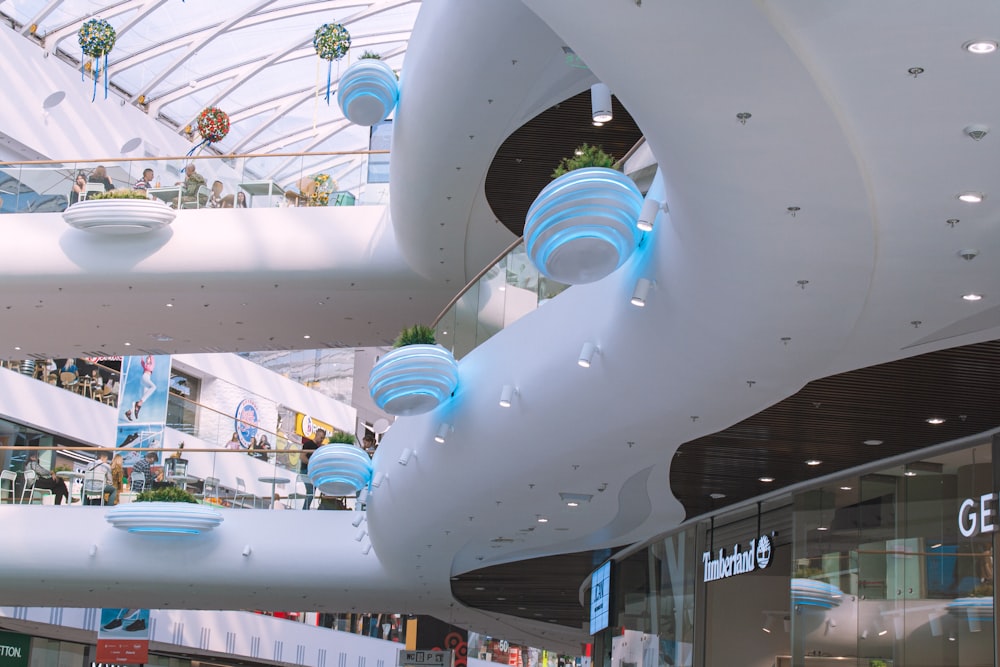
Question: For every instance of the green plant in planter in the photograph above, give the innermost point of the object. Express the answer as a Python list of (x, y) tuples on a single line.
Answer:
[(340, 438), (584, 156), (167, 494), (119, 194), (370, 55), (418, 334), (983, 590)]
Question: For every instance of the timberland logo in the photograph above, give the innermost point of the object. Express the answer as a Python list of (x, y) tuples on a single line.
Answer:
[(757, 556)]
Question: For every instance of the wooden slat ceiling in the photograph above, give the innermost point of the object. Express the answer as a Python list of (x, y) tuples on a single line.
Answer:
[(828, 419), (523, 165)]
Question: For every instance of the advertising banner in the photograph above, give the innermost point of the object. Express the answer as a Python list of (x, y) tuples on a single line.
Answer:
[(142, 404), (123, 637), (14, 649)]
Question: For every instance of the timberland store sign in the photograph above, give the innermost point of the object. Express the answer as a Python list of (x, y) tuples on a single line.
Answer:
[(978, 515), (14, 649), (756, 556)]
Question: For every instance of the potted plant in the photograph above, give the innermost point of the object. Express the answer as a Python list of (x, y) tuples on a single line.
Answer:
[(368, 90), (119, 212), (164, 511), (582, 226), (416, 376)]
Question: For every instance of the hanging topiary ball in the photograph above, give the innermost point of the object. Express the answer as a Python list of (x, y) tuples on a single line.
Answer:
[(213, 124), (97, 38), (331, 41)]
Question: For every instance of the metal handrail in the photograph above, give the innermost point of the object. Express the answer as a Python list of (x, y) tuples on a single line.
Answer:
[(231, 156), (476, 278)]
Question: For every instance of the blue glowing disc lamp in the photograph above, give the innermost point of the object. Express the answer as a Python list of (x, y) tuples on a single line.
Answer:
[(340, 469), (368, 92), (582, 226), (413, 379)]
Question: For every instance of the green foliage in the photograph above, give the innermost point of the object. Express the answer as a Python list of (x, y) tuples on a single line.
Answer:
[(341, 438), (118, 194), (418, 334), (584, 156), (370, 55), (877, 663), (167, 494), (983, 590), (806, 572)]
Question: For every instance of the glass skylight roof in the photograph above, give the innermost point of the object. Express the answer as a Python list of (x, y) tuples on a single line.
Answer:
[(254, 59)]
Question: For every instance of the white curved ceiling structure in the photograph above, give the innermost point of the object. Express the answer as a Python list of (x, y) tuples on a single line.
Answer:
[(866, 271)]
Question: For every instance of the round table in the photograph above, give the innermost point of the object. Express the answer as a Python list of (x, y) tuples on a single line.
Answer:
[(273, 481), (71, 476)]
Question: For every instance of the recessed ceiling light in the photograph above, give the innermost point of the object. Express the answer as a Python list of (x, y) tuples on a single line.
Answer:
[(572, 503), (872, 443), (307, 336), (170, 305), (766, 480), (480, 588), (128, 344), (971, 197), (972, 296), (980, 47), (501, 599), (17, 347), (542, 519), (598, 123), (910, 473), (716, 496), (936, 546), (935, 421), (845, 488), (813, 462), (822, 528)]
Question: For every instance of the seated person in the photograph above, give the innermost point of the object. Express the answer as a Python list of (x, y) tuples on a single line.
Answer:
[(79, 190), (189, 186), (241, 200), (46, 479), (217, 199), (145, 181), (100, 175)]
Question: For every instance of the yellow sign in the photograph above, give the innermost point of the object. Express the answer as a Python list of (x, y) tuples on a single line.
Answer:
[(306, 426)]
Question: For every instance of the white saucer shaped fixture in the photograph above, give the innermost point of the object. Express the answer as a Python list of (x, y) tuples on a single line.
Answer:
[(973, 608), (814, 593), (413, 379), (161, 518), (368, 92), (340, 469), (119, 216), (581, 227)]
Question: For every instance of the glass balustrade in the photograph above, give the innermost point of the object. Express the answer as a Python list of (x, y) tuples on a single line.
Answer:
[(198, 449), (233, 181), (504, 292)]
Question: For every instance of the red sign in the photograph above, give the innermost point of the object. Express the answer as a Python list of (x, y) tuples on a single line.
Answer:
[(123, 651)]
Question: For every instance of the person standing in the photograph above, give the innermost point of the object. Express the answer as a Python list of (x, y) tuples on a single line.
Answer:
[(309, 445), (46, 479)]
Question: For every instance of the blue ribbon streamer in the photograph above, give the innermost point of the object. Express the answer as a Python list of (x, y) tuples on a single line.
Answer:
[(83, 65), (97, 75), (329, 73), (204, 142), (105, 76)]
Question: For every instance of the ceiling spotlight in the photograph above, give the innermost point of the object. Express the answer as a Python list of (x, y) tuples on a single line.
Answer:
[(766, 480), (934, 421), (586, 355), (357, 520), (976, 132), (442, 433), (506, 394), (822, 529), (972, 296), (363, 495), (575, 499), (597, 124), (980, 47), (377, 479), (813, 462), (641, 292), (971, 197), (873, 442), (647, 216), (910, 473), (307, 336), (361, 535), (600, 103), (716, 496), (367, 549), (247, 550), (845, 488), (542, 519), (404, 457)]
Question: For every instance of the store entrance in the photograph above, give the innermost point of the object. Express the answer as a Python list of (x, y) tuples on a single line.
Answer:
[(747, 617)]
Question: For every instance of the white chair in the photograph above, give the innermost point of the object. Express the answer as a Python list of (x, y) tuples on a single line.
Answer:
[(209, 489), (93, 487), (29, 489), (242, 495), (136, 482), (7, 477), (92, 189), (198, 200)]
